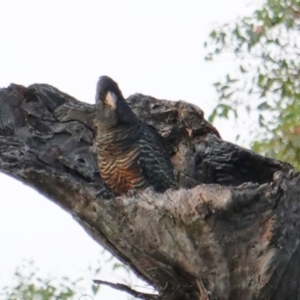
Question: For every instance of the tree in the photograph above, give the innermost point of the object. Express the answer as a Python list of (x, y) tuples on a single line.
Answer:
[(265, 47), (235, 236)]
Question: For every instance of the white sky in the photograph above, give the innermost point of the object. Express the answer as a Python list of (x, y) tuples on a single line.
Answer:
[(152, 47)]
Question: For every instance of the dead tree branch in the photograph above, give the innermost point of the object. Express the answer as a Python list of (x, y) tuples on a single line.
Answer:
[(234, 236)]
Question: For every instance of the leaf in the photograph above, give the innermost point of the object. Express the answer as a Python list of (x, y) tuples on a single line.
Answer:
[(212, 116), (264, 106), (213, 34), (242, 69)]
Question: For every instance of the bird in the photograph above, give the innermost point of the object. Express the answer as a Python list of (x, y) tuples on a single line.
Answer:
[(131, 154)]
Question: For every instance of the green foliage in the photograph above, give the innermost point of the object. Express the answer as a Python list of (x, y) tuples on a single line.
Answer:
[(28, 284), (265, 82)]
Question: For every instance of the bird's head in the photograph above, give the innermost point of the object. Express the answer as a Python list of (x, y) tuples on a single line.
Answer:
[(112, 109)]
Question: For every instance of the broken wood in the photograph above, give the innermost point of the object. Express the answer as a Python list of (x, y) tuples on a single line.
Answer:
[(231, 232)]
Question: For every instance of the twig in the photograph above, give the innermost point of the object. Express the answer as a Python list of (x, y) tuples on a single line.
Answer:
[(127, 289)]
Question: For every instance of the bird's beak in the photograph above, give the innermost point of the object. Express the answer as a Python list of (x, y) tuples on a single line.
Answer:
[(111, 100)]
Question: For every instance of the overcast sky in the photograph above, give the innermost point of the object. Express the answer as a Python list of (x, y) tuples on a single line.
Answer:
[(152, 47)]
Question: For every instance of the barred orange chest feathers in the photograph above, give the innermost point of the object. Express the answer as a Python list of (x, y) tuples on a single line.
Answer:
[(131, 154)]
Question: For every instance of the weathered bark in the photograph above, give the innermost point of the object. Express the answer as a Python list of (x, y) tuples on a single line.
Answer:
[(234, 236)]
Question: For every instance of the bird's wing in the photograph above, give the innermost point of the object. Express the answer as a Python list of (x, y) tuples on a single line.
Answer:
[(154, 159)]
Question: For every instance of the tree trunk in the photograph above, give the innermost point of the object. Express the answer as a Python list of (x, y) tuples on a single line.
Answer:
[(235, 235)]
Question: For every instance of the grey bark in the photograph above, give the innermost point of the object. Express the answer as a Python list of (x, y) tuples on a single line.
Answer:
[(231, 232)]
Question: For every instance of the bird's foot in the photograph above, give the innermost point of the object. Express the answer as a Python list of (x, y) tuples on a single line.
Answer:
[(104, 195), (133, 193)]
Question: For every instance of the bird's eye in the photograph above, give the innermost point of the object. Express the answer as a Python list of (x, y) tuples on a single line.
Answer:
[(111, 100)]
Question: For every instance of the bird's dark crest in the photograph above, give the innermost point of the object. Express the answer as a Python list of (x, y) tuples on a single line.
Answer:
[(106, 84), (112, 109)]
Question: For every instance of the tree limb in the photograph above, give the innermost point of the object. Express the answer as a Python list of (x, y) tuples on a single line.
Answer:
[(234, 236)]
